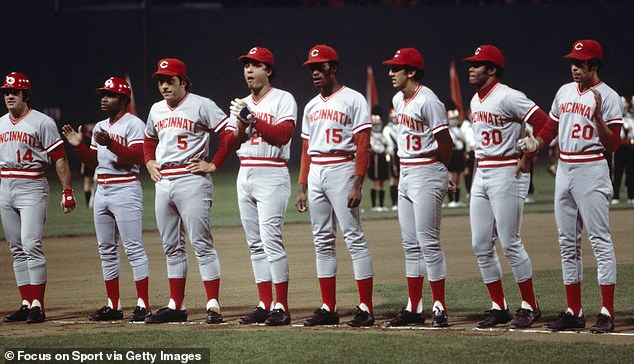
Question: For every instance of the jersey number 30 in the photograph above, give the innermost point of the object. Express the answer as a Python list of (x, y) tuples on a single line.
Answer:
[(495, 138)]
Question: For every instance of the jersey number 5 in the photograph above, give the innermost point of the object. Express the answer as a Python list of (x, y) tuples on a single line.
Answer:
[(182, 142), (28, 156)]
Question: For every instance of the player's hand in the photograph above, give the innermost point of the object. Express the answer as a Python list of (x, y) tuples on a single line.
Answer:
[(73, 137), (596, 113), (154, 170), (354, 198), (241, 110), (528, 144), (300, 201), (68, 200), (102, 137), (452, 187), (523, 165), (200, 166)]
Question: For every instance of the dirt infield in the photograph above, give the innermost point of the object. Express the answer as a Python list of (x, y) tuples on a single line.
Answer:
[(75, 288)]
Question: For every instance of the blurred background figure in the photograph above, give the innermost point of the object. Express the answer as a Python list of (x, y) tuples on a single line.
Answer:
[(391, 154), (458, 158), (87, 172), (623, 158), (378, 167), (470, 143)]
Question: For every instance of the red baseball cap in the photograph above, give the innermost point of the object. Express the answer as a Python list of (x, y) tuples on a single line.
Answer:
[(487, 53), (585, 49), (116, 85), (16, 81), (321, 53), (171, 67), (259, 54), (407, 57)]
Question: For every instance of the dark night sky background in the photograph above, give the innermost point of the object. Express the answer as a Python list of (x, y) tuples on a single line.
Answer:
[(69, 52)]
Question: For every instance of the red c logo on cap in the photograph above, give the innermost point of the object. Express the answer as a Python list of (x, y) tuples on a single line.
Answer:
[(314, 52), (578, 46), (397, 53), (108, 83), (253, 50), (10, 80), (164, 64), (477, 51)]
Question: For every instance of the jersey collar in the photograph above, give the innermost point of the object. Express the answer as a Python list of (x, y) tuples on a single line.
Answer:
[(485, 91)]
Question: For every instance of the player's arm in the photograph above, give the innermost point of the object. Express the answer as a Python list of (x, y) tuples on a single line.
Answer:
[(132, 154), (300, 202), (276, 134), (149, 156), (361, 162), (610, 136), (445, 146), (74, 137), (58, 155)]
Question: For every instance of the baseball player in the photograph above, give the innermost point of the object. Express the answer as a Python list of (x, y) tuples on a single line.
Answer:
[(586, 116), (116, 152), (499, 115), (87, 172), (457, 164), (265, 121), (176, 150), (391, 135), (28, 140), (335, 154), (424, 149)]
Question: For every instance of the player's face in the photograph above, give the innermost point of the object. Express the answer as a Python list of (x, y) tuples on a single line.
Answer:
[(580, 71), (478, 74), (111, 103), (256, 74), (323, 74), (172, 88), (14, 100), (399, 77)]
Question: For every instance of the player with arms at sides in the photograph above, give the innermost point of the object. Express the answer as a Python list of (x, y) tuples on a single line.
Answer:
[(176, 150), (499, 115), (335, 156), (28, 140), (424, 149), (265, 121), (587, 117), (116, 153)]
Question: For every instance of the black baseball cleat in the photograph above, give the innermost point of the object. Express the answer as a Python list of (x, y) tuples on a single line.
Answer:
[(405, 318), (439, 318), (361, 319), (604, 324), (106, 313), (278, 317), (322, 317), (166, 314), (567, 321), (140, 314), (20, 315), (36, 315), (213, 317), (257, 316), (524, 318), (494, 317)]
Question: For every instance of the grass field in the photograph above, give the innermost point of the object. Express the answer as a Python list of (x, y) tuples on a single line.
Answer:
[(75, 289)]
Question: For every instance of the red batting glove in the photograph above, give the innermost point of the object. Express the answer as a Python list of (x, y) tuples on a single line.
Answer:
[(68, 200)]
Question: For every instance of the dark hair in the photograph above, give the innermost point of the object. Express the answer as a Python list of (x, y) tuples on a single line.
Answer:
[(499, 73), (376, 110), (418, 76), (188, 82), (595, 62), (26, 97), (334, 64)]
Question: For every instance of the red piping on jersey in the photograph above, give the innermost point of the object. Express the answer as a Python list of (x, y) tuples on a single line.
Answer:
[(179, 103), (589, 88), (110, 179), (255, 102), (486, 91), (31, 173), (176, 170), (119, 118), (332, 94), (262, 162), (20, 118), (406, 101)]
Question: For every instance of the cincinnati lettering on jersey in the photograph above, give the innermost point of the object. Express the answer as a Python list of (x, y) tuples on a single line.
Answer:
[(487, 117), (410, 122), (18, 136), (267, 118), (575, 108), (327, 114), (118, 138), (180, 123)]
